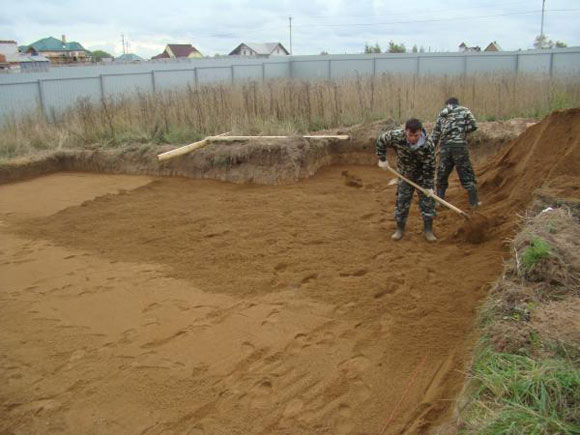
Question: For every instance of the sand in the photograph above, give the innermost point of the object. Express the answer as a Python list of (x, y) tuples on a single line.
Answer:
[(172, 305)]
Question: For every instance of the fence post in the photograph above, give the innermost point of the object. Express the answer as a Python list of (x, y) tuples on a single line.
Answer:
[(263, 72), (418, 65), (329, 70), (375, 65), (101, 81), (517, 63), (464, 65), (233, 76), (153, 84), (195, 77), (290, 69), (551, 63), (41, 98)]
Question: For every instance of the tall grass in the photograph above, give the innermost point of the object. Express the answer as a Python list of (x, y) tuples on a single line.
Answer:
[(520, 395), (280, 107)]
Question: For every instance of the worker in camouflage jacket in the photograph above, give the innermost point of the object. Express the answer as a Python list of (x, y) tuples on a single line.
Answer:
[(415, 161), (453, 124)]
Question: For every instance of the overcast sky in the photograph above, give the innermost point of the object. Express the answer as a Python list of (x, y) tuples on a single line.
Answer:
[(334, 26)]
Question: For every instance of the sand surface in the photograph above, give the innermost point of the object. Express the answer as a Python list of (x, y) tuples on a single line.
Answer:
[(173, 305)]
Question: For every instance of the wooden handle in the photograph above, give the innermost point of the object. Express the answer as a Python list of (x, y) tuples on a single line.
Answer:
[(435, 197), (223, 138), (187, 148)]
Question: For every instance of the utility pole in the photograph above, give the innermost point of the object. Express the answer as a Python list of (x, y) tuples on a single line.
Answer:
[(290, 19), (123, 42), (542, 25)]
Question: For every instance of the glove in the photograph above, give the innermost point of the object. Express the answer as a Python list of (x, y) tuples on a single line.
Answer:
[(429, 193), (383, 164)]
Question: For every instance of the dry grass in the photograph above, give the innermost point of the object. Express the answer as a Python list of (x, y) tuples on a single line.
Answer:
[(280, 107)]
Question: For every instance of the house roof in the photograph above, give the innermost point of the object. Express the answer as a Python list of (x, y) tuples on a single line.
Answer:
[(264, 48), (129, 57), (53, 44), (182, 50), (493, 45)]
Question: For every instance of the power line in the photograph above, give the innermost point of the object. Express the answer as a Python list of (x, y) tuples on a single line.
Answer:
[(436, 19), (485, 5)]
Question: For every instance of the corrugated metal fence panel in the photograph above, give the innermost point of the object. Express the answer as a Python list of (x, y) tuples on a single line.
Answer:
[(351, 68), (59, 93), (396, 65), (442, 65), (19, 98), (248, 72), (535, 64), (170, 79), (315, 69), (566, 63), (489, 64), (208, 75), (277, 70), (126, 84)]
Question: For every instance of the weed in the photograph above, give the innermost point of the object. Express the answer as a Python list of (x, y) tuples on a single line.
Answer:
[(537, 250)]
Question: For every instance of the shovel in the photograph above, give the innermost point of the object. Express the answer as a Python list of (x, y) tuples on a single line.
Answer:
[(427, 193)]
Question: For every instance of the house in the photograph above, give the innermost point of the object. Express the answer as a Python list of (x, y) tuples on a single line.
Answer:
[(463, 47), (266, 49), (173, 51), (11, 60), (58, 51), (493, 46), (129, 58)]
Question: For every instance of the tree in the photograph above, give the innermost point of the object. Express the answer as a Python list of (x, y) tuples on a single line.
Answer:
[(371, 49), (324, 53), (542, 41), (415, 49), (396, 48), (98, 55)]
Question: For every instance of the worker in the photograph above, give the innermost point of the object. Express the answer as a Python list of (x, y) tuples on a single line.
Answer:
[(415, 161), (453, 124)]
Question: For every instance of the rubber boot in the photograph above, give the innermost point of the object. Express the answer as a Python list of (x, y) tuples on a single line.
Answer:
[(398, 235), (428, 231), (473, 201)]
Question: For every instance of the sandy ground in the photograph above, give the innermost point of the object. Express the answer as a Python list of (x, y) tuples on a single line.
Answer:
[(174, 305), (187, 306)]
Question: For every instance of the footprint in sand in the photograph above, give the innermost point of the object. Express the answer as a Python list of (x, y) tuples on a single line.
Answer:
[(293, 408), (354, 366), (344, 424), (261, 394)]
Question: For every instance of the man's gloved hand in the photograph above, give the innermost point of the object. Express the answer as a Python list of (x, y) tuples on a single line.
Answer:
[(383, 164), (429, 193)]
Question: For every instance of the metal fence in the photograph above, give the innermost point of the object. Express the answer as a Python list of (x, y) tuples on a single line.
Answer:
[(59, 88)]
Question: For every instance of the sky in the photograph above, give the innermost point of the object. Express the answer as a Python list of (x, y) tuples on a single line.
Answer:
[(333, 26)]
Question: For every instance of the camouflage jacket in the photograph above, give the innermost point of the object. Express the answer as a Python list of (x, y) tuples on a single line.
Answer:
[(416, 162), (453, 124)]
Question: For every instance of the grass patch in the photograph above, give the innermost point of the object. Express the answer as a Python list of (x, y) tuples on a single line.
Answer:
[(519, 395), (537, 250), (525, 377)]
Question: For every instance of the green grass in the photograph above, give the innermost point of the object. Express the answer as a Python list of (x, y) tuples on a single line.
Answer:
[(519, 395), (537, 250)]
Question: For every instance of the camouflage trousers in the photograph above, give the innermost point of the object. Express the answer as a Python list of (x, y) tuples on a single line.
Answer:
[(457, 157), (403, 204)]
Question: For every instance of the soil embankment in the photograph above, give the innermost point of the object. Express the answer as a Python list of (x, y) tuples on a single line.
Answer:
[(194, 306)]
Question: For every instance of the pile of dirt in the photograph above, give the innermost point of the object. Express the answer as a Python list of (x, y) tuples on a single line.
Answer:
[(545, 159)]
